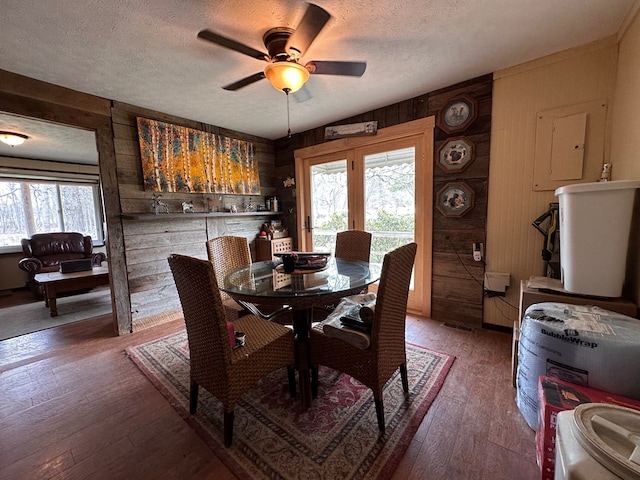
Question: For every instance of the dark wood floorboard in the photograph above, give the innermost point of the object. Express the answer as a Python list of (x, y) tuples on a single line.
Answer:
[(72, 405)]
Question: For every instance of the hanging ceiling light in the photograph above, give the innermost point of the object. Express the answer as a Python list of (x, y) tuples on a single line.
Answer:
[(12, 139), (288, 77)]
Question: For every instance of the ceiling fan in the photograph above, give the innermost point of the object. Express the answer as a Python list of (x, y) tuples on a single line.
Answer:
[(285, 47)]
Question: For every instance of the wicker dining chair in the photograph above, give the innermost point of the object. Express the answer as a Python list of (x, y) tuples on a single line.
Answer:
[(350, 245), (386, 353), (228, 253), (353, 245), (226, 372)]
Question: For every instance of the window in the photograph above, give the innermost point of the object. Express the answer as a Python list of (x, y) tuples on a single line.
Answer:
[(36, 206)]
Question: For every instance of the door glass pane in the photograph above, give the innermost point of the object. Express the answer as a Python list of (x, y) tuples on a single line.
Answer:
[(389, 200), (329, 204)]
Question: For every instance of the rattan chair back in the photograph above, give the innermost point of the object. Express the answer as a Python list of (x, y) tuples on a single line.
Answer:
[(353, 245), (387, 334), (228, 253), (374, 366), (204, 317), (226, 372)]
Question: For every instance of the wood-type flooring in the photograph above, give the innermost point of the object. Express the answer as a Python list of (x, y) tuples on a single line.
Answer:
[(72, 406)]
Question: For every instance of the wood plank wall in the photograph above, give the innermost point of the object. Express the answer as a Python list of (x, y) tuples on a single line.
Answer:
[(138, 248), (457, 293), (148, 241)]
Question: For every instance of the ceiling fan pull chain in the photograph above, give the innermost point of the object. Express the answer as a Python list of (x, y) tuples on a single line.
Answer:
[(286, 91)]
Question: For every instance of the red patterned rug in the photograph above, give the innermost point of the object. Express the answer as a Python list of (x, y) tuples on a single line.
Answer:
[(336, 438)]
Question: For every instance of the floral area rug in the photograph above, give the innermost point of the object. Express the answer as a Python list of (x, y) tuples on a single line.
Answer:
[(274, 438)]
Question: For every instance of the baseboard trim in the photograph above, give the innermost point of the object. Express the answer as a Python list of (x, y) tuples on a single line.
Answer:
[(155, 320)]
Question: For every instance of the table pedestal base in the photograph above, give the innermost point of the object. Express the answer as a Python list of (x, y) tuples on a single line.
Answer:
[(301, 327)]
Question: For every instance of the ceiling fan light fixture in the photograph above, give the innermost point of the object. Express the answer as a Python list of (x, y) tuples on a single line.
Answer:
[(285, 76), (12, 139)]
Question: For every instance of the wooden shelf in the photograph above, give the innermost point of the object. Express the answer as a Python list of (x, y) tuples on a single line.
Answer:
[(170, 216)]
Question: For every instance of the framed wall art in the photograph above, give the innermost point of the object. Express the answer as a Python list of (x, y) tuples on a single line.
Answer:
[(181, 159), (457, 114), (455, 199), (456, 154)]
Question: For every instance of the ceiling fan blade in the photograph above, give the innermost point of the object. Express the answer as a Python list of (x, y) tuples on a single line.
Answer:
[(319, 67), (314, 20), (232, 44), (244, 82), (303, 94)]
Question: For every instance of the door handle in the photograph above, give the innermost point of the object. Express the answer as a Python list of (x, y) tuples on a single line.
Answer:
[(307, 224)]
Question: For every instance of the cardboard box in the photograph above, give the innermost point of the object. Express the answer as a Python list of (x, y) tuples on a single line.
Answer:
[(556, 396), (529, 296)]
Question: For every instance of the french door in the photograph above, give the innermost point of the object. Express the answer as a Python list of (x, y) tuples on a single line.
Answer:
[(380, 184)]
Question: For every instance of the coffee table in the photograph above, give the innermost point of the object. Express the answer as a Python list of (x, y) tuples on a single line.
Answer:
[(56, 282)]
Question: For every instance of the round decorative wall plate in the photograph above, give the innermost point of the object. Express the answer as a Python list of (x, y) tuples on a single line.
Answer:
[(458, 114), (456, 154), (455, 199)]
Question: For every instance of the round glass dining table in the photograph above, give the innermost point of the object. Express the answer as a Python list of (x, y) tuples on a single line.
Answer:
[(266, 283)]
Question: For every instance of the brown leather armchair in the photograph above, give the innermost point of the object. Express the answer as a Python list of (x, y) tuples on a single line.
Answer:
[(44, 252)]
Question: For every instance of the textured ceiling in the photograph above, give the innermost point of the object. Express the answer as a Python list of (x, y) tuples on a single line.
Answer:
[(146, 52), (49, 141)]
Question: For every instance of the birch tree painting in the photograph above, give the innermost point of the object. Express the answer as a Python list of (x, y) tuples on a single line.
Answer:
[(181, 159)]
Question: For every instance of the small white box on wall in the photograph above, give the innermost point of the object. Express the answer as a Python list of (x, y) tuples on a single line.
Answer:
[(496, 282)]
